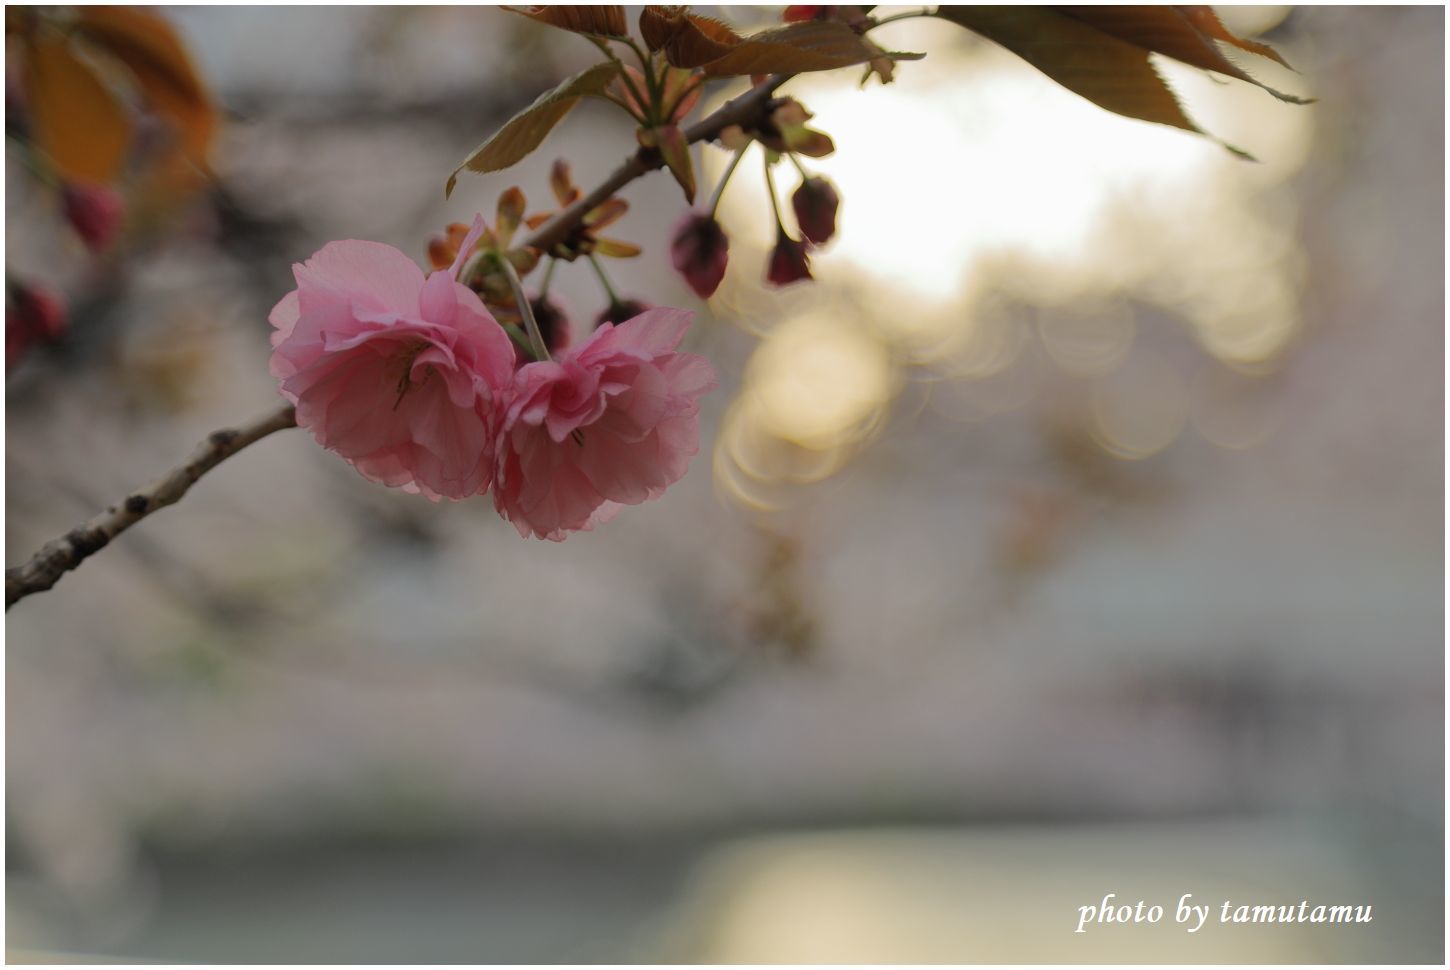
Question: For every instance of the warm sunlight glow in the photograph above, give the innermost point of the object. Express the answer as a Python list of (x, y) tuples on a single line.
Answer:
[(1022, 217)]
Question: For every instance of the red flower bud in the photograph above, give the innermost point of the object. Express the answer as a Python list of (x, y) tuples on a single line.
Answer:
[(797, 13), (553, 323), (33, 313), (15, 116), (440, 252), (94, 211), (700, 251), (617, 313), (443, 247), (815, 204), (788, 261), (853, 15)]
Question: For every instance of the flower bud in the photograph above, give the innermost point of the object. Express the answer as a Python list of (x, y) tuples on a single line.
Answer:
[(797, 13), (33, 313), (440, 252), (15, 114), (788, 261), (553, 323), (94, 211), (815, 204), (617, 313), (852, 15), (443, 247), (700, 251)]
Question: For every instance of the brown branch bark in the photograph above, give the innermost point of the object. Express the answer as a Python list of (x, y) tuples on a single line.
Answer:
[(738, 111), (59, 556)]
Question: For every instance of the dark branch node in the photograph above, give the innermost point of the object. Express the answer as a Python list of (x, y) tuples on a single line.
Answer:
[(86, 541)]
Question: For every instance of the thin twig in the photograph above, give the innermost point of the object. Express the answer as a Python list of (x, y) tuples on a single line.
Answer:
[(59, 556), (740, 111)]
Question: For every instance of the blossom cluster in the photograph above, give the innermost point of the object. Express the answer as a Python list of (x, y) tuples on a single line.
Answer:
[(412, 380)]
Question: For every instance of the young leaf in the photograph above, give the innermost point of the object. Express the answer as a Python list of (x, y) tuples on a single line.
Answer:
[(657, 24), (812, 144), (616, 249), (695, 41), (1183, 33), (1206, 22), (1110, 72), (77, 120), (156, 57), (676, 153), (819, 45), (604, 20), (526, 130), (682, 90), (510, 213), (561, 183), (606, 214)]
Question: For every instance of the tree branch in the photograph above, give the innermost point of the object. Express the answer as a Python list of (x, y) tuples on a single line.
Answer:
[(739, 111), (59, 556)]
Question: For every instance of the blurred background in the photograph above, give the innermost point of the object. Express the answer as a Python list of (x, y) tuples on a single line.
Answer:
[(1079, 532)]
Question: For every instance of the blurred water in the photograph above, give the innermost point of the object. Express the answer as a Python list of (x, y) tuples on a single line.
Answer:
[(302, 718)]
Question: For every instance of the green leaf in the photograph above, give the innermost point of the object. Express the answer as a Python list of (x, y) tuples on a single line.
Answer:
[(1109, 71), (526, 130)]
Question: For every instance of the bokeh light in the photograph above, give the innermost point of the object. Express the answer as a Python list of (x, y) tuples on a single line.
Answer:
[(1016, 193)]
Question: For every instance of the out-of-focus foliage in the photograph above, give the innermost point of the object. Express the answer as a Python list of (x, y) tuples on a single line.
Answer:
[(1103, 460), (79, 123), (82, 78), (107, 114)]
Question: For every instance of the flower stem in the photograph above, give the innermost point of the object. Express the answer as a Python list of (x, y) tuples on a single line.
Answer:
[(770, 191), (518, 337), (724, 179), (624, 78), (536, 338), (652, 82), (603, 280), (798, 166), (548, 277), (906, 15), (744, 110), (639, 54)]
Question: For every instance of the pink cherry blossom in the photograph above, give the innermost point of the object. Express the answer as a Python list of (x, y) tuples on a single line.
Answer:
[(611, 421), (398, 373)]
